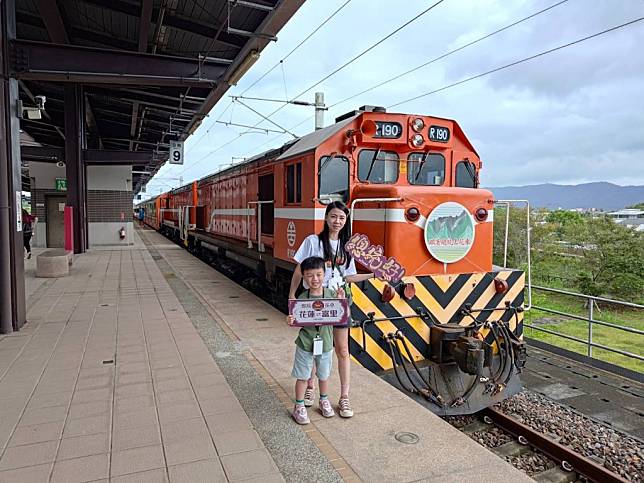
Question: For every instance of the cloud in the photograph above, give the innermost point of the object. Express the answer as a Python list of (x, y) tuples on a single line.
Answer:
[(571, 116)]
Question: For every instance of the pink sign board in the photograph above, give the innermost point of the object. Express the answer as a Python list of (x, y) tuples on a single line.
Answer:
[(373, 258), (309, 312)]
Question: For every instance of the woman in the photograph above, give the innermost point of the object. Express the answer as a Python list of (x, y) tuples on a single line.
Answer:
[(339, 269), (27, 230)]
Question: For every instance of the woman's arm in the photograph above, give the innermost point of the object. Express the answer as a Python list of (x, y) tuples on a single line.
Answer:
[(295, 281), (359, 277)]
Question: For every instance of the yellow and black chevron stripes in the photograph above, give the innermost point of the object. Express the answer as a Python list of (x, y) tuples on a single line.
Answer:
[(443, 297)]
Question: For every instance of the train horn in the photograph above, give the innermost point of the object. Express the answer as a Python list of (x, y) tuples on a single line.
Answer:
[(368, 128)]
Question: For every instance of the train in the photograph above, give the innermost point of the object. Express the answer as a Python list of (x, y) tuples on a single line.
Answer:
[(450, 332)]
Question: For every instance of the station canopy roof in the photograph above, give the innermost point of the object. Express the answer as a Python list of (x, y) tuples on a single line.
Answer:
[(151, 70)]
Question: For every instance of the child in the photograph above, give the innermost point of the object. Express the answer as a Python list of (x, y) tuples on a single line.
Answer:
[(313, 274)]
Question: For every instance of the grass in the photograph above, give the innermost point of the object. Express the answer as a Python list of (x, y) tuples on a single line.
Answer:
[(607, 336)]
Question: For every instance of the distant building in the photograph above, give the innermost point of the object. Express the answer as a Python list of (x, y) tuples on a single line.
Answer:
[(629, 217)]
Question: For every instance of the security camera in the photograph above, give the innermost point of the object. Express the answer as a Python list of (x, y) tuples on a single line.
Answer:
[(60, 164), (40, 101)]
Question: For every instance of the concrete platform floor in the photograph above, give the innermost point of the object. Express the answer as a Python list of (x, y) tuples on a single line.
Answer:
[(248, 338), (110, 381), (145, 364)]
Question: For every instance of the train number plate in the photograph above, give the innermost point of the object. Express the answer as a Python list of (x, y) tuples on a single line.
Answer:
[(388, 130), (438, 134)]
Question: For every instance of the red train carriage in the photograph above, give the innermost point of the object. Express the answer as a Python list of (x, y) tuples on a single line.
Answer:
[(412, 185)]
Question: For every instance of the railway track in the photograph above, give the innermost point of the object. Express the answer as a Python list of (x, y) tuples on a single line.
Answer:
[(543, 458)]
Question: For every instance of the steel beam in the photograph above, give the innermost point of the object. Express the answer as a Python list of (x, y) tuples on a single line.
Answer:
[(270, 26), (144, 24), (105, 156), (172, 20), (28, 152), (13, 313), (68, 63), (50, 14), (75, 168)]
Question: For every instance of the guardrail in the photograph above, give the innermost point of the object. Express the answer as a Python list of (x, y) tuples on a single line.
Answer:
[(590, 320)]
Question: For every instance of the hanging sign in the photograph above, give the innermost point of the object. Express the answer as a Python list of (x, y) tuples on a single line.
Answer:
[(176, 152), (308, 312), (449, 232), (373, 258)]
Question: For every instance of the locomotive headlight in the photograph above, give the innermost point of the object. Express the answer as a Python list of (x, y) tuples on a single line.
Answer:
[(417, 140), (480, 214), (417, 124), (412, 214)]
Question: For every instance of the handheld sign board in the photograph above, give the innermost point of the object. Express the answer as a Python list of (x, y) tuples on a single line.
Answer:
[(372, 257), (310, 312)]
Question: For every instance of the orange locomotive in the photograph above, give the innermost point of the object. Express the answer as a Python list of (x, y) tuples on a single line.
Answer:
[(454, 323)]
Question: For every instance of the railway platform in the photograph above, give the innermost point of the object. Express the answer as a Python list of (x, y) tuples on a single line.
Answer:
[(145, 364)]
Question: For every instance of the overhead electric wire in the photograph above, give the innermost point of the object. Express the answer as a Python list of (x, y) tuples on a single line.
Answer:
[(297, 46), (517, 62), (270, 70), (447, 54), (343, 66)]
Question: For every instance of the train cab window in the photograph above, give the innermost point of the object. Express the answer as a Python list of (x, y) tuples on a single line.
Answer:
[(333, 177), (466, 175), (294, 183), (426, 169), (377, 166)]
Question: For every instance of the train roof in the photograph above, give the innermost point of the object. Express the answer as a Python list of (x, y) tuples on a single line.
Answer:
[(312, 140)]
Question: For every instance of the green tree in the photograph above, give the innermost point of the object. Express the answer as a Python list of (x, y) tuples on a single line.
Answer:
[(612, 259)]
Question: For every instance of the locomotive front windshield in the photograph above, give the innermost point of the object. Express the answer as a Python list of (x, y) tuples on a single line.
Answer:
[(377, 166), (426, 169)]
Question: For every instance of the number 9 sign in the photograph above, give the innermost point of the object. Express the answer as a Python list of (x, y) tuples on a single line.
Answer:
[(176, 152)]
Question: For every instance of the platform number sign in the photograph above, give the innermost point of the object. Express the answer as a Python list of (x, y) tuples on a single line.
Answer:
[(438, 134), (176, 152)]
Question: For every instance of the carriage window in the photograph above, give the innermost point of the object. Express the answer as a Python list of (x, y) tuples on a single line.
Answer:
[(466, 176), (290, 183), (377, 166), (333, 177), (426, 169), (298, 183)]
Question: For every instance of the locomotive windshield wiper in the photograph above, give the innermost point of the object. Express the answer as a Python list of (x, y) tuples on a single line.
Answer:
[(471, 171), (373, 160), (420, 166)]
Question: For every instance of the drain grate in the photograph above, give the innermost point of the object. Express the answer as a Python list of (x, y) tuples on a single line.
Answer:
[(108, 361)]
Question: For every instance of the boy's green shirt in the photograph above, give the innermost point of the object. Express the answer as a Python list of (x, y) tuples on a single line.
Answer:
[(306, 335)]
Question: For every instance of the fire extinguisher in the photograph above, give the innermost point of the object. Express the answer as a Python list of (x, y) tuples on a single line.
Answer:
[(122, 233)]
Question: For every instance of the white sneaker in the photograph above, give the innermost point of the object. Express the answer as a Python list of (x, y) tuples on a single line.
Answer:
[(326, 409), (345, 408), (300, 415), (309, 396)]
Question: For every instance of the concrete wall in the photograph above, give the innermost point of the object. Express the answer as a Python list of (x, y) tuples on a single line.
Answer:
[(109, 201)]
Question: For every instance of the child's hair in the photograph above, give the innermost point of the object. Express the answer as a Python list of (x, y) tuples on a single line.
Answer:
[(312, 263)]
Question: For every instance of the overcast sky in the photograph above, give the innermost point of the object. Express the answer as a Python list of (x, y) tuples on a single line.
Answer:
[(572, 116)]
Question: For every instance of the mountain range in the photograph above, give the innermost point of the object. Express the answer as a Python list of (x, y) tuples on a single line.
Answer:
[(602, 195)]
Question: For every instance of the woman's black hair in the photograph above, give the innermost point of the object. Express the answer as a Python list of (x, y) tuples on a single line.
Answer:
[(343, 236)]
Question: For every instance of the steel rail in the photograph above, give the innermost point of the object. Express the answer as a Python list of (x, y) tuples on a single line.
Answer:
[(558, 452)]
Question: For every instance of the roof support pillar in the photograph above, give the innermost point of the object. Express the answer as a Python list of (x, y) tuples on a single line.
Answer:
[(13, 311), (76, 172)]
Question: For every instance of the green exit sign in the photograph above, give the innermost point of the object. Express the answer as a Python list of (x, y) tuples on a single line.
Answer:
[(61, 184)]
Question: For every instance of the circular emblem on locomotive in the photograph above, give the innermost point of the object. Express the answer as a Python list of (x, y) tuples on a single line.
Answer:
[(290, 233), (449, 232)]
